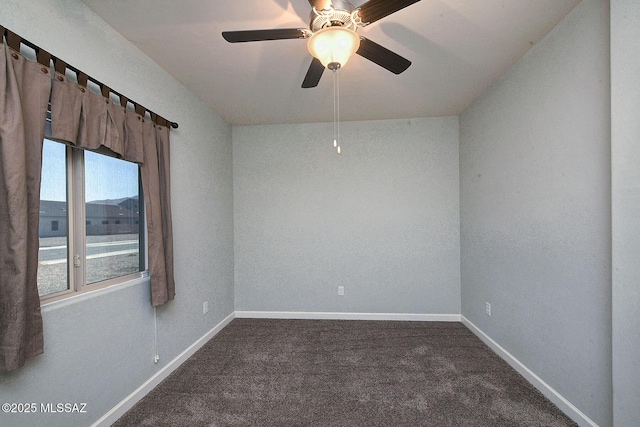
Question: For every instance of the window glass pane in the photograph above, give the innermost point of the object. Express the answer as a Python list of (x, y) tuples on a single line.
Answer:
[(112, 217), (52, 255)]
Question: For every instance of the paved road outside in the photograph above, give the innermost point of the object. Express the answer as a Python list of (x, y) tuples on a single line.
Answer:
[(107, 257)]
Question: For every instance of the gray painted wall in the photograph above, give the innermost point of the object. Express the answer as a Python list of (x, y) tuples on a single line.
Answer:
[(535, 210), (381, 219), (99, 348), (625, 153)]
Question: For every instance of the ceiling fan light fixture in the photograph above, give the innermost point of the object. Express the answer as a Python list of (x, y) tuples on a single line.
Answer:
[(333, 45)]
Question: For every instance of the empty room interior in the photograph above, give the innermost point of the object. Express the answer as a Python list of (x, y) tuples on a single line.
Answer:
[(494, 183)]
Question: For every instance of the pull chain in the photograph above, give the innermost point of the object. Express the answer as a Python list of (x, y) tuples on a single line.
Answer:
[(336, 111)]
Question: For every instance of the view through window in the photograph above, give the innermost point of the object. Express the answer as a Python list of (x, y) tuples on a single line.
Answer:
[(90, 219), (112, 217), (53, 255)]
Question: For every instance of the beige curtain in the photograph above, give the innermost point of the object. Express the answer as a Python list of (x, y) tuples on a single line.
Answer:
[(24, 94), (85, 120), (155, 183), (93, 122)]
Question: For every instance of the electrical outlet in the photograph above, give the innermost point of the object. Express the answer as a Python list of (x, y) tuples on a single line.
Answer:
[(341, 290), (487, 308), (205, 307)]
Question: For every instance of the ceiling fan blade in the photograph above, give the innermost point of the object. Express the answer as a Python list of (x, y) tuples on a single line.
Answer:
[(313, 74), (382, 56), (373, 10), (320, 4), (260, 35)]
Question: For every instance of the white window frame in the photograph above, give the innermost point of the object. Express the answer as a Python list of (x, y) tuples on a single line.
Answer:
[(76, 233)]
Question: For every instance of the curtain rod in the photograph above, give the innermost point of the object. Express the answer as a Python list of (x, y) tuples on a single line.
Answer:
[(44, 58)]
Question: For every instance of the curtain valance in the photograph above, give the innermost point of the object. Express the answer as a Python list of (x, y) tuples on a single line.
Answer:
[(91, 121)]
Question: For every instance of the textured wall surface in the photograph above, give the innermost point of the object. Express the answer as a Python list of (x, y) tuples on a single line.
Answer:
[(535, 210), (381, 219), (99, 348), (625, 146)]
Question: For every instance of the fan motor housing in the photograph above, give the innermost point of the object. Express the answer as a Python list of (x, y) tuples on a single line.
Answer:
[(339, 15)]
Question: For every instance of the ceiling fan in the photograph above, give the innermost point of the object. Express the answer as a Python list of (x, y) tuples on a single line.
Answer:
[(332, 36)]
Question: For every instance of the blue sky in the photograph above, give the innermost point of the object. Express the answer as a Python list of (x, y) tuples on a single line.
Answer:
[(105, 177)]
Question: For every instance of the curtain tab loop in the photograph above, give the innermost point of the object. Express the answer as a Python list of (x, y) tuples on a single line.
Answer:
[(13, 40), (44, 58), (105, 90), (60, 66), (82, 79)]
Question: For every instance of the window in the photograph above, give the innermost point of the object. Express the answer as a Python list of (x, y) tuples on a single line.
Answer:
[(93, 206)]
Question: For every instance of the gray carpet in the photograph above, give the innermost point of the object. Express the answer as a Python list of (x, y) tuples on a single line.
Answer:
[(344, 373)]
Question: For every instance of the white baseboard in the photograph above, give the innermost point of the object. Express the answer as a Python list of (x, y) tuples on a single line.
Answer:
[(347, 316), (565, 406), (128, 403)]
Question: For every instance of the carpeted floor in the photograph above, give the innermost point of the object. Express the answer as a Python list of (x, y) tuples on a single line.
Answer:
[(344, 373)]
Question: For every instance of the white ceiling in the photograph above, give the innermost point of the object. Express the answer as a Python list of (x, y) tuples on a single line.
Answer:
[(458, 48)]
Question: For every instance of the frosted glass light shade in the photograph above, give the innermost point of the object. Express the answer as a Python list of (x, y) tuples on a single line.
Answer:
[(333, 45)]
